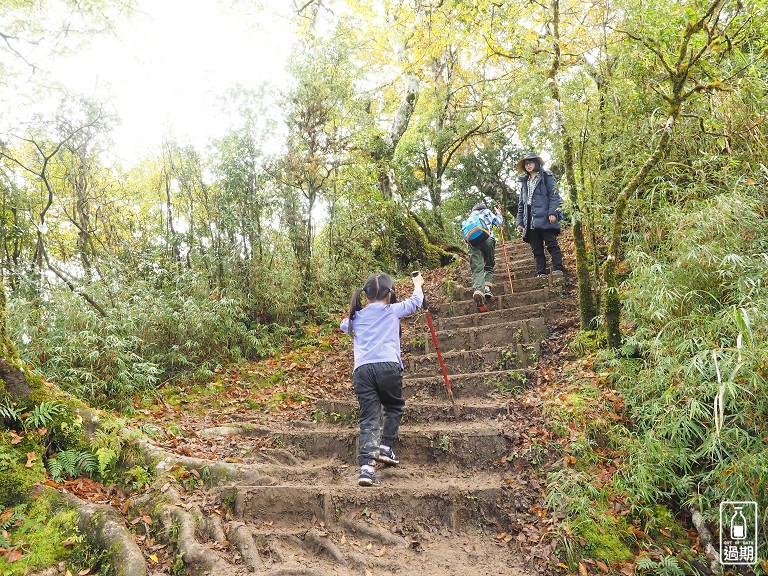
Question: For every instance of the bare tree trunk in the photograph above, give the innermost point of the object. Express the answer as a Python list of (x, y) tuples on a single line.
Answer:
[(398, 127)]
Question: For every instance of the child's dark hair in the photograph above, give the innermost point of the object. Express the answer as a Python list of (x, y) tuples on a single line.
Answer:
[(376, 287)]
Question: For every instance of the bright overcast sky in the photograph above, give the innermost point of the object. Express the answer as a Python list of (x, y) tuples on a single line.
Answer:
[(165, 69)]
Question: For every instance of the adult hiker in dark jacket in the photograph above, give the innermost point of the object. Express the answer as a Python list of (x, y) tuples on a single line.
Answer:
[(537, 212)]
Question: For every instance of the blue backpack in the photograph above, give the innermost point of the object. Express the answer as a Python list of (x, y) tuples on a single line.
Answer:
[(473, 230)]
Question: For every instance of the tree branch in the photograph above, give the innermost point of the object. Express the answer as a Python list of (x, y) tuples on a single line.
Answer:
[(69, 283)]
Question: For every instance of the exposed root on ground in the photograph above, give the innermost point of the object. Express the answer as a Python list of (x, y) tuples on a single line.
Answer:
[(318, 543), (105, 530), (241, 536), (194, 554), (220, 472), (374, 532)]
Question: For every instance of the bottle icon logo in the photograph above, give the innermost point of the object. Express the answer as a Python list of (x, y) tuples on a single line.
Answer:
[(738, 525), (738, 533)]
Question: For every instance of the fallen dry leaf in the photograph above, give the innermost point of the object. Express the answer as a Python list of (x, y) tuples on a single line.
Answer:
[(13, 556)]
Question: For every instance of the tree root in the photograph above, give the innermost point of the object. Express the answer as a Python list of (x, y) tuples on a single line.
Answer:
[(106, 531), (280, 456), (319, 543), (215, 529), (380, 534), (295, 572), (192, 552), (363, 562), (242, 538), (706, 540), (220, 472)]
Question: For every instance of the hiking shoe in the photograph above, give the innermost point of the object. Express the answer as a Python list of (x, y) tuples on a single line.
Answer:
[(479, 299), (388, 457), (557, 272), (368, 479), (541, 275), (488, 293)]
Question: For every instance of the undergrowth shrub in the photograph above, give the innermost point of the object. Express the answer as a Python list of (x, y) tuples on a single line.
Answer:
[(151, 336), (691, 387), (698, 301)]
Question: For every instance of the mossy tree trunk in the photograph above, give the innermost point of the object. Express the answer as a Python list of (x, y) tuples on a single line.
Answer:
[(385, 157), (12, 379), (587, 306), (678, 75)]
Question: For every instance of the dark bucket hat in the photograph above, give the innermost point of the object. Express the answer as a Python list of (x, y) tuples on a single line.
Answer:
[(530, 156)]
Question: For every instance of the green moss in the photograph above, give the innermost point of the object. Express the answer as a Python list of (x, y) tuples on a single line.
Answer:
[(602, 541), (589, 341), (448, 287), (16, 482), (42, 534)]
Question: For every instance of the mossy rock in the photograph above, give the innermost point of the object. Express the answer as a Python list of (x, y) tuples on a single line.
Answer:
[(17, 482), (602, 542)]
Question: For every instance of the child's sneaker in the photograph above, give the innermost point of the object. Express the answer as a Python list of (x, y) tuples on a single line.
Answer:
[(368, 479), (388, 457), (488, 293), (479, 299)]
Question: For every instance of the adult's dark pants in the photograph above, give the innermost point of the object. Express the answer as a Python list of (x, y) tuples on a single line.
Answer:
[(379, 388), (538, 239)]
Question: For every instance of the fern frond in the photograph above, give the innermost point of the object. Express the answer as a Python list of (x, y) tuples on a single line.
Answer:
[(106, 457), (669, 566), (68, 459), (645, 564), (86, 463), (10, 413), (55, 469), (43, 414), (71, 464)]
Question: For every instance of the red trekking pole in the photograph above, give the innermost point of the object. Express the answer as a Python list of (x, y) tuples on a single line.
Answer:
[(504, 247), (437, 347)]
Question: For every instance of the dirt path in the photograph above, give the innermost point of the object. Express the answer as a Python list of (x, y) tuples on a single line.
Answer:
[(261, 494)]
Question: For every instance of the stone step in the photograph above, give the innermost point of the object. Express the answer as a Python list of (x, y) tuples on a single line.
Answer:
[(418, 411), (501, 286), (456, 502), (516, 300), (466, 444), (489, 334), (468, 361), (470, 385), (539, 310), (518, 272)]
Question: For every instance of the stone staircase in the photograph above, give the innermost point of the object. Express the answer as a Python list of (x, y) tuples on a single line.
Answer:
[(455, 504)]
